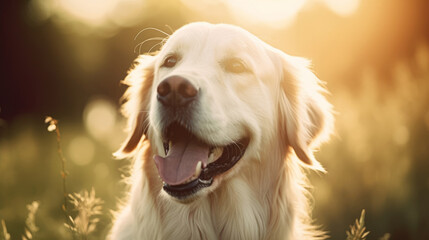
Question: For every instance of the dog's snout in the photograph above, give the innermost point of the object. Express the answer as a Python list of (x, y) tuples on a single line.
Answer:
[(176, 91)]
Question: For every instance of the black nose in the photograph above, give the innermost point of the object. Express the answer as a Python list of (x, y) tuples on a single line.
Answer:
[(176, 91)]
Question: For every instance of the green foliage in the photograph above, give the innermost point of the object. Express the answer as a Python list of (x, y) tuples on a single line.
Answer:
[(88, 207), (357, 231), (5, 235), (386, 236), (53, 126), (30, 222)]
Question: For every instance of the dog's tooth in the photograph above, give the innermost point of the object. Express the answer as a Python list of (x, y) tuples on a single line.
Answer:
[(211, 158), (218, 152), (198, 169), (215, 155)]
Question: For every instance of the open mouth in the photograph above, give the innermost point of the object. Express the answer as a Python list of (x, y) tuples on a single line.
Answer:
[(191, 164)]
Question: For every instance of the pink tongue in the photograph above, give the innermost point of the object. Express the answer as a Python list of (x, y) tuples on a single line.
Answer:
[(181, 161)]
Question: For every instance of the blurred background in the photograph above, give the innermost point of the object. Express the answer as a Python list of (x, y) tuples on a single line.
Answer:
[(66, 58)]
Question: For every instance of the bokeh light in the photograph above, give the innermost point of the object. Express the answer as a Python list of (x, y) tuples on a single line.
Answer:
[(342, 7), (81, 150), (107, 16), (99, 118), (104, 17), (273, 13)]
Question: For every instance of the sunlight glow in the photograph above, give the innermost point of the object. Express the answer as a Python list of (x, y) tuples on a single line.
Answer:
[(94, 11), (270, 11), (342, 7), (102, 122), (107, 16), (99, 118), (275, 13), (83, 15)]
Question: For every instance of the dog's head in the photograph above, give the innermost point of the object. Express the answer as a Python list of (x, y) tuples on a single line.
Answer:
[(214, 97)]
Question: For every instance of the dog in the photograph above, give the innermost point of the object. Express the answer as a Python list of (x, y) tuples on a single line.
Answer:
[(221, 128)]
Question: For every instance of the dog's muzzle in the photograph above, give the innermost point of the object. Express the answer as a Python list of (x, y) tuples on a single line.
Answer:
[(190, 163)]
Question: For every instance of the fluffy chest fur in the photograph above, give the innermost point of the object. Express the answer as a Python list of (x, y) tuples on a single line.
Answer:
[(245, 207)]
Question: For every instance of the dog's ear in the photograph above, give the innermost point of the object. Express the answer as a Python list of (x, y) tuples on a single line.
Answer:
[(136, 101), (304, 110)]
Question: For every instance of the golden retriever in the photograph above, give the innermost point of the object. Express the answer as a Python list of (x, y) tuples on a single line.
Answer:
[(222, 126)]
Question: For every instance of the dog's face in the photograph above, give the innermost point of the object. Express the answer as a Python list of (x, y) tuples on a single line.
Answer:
[(210, 100)]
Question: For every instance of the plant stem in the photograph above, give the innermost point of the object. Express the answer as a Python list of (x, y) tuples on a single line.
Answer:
[(63, 168)]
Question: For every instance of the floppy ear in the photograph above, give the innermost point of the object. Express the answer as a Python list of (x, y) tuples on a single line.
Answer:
[(136, 103), (303, 109)]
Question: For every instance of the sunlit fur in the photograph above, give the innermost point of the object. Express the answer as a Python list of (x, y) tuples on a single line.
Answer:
[(279, 105)]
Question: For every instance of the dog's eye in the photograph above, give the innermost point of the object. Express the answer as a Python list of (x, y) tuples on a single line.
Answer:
[(170, 61), (235, 65)]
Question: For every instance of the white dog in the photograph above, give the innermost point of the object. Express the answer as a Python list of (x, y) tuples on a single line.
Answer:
[(219, 122)]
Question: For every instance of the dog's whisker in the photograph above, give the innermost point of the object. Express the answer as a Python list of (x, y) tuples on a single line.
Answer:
[(151, 28), (140, 45), (169, 28), (160, 43)]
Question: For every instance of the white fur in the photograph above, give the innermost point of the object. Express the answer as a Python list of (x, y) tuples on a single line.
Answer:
[(278, 105)]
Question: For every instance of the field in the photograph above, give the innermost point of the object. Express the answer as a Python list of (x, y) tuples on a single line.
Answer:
[(375, 64)]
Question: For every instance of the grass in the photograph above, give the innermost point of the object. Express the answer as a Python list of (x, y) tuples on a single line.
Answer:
[(85, 205), (30, 223), (88, 207), (53, 126), (358, 230), (5, 235)]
